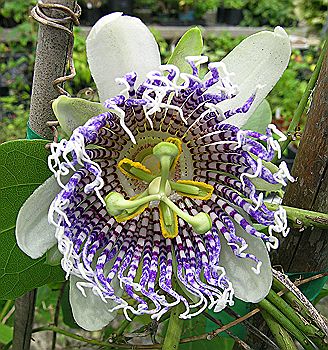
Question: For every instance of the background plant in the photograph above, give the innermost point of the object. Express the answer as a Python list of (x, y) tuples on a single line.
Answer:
[(273, 13), (313, 12)]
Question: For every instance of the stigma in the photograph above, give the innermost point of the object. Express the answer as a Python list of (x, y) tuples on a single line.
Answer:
[(159, 191)]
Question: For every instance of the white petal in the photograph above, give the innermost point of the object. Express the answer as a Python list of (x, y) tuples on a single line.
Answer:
[(248, 286), (33, 232), (118, 45), (260, 59), (90, 312)]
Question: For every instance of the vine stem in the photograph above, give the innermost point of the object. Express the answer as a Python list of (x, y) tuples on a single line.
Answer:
[(57, 312), (211, 335), (94, 341), (5, 309), (252, 329), (303, 102), (290, 313), (284, 280), (240, 342), (302, 324), (282, 337), (301, 217)]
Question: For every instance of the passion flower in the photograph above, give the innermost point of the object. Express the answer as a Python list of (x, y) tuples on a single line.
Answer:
[(159, 192)]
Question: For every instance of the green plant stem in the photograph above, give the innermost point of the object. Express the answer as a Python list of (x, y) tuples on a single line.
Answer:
[(252, 329), (174, 329), (291, 299), (94, 341), (290, 313), (122, 327), (315, 315), (303, 218), (8, 305), (282, 337), (302, 310), (302, 104), (286, 323)]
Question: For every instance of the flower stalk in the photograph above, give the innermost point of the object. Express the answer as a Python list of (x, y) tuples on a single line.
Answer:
[(174, 329)]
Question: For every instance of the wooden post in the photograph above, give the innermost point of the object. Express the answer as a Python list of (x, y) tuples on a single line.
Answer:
[(50, 64), (307, 250), (24, 314)]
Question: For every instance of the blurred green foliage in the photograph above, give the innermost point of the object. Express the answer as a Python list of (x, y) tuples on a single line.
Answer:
[(13, 12), (17, 55), (255, 12), (16, 72), (14, 107), (314, 12), (173, 7), (273, 13)]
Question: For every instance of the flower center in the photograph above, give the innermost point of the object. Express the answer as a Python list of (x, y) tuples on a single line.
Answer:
[(159, 188)]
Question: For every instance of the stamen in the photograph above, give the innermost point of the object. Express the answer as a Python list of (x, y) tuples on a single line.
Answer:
[(195, 62)]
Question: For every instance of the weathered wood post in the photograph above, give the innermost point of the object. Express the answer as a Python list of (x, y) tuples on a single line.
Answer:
[(50, 63), (307, 250)]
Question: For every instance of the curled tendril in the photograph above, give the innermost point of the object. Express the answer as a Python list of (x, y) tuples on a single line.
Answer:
[(63, 23)]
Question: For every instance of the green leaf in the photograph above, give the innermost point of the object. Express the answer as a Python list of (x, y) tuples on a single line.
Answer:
[(260, 119), (23, 167), (190, 44), (323, 294), (74, 112), (6, 334)]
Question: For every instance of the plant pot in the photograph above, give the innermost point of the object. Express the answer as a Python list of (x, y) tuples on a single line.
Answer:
[(233, 16), (144, 14), (125, 6), (187, 17), (221, 15), (90, 16), (7, 22), (210, 17)]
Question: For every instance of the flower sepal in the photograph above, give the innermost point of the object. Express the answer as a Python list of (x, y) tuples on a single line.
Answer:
[(71, 112)]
